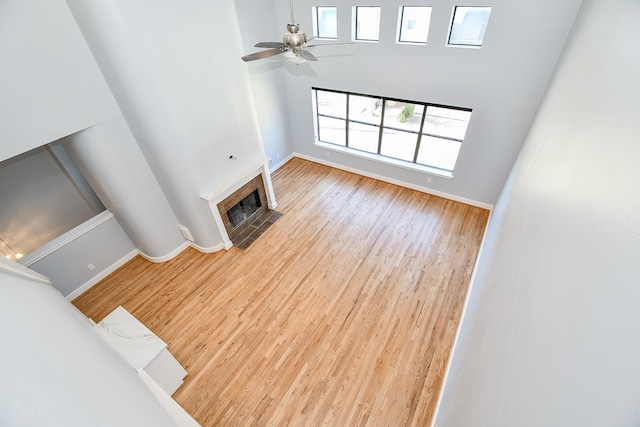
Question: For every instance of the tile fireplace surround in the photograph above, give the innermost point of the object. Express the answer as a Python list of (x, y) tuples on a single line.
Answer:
[(229, 192)]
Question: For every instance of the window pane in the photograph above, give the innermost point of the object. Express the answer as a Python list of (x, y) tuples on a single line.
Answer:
[(331, 130), (439, 153), (363, 137), (414, 24), (403, 115), (398, 144), (446, 122), (367, 22), (332, 104), (365, 109), (327, 22), (469, 25)]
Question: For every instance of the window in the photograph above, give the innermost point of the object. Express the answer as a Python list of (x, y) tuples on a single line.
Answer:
[(414, 24), (325, 23), (367, 25), (468, 25), (407, 131)]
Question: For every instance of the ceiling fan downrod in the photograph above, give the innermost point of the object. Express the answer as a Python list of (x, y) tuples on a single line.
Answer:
[(293, 19)]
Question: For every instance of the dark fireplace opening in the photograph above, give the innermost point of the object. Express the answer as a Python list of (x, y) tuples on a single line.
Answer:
[(243, 210)]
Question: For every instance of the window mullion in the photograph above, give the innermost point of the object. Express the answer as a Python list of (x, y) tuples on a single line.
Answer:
[(424, 115), (317, 114), (347, 121), (384, 106)]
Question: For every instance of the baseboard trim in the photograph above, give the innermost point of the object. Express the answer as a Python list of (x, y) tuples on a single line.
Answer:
[(396, 182), (174, 253), (104, 273), (122, 261), (212, 249), (285, 160)]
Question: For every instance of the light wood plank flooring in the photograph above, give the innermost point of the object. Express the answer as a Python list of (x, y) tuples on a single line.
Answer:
[(342, 314)]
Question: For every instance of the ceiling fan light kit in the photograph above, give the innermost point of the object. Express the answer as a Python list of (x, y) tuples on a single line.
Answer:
[(294, 45)]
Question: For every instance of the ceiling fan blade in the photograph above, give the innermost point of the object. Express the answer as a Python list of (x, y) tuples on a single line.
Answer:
[(270, 44), (306, 55), (263, 54)]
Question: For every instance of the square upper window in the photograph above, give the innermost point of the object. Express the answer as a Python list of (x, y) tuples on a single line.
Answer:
[(367, 26), (468, 26), (414, 24), (325, 23)]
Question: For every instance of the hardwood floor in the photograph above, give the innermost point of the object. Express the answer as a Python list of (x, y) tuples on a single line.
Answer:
[(343, 313)]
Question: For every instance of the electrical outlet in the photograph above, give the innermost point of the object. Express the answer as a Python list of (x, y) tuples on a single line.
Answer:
[(328, 154), (91, 267), (428, 179)]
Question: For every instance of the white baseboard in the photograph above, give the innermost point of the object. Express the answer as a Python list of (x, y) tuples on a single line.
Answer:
[(122, 261), (212, 249), (104, 273), (397, 182), (181, 248), (174, 253), (285, 160)]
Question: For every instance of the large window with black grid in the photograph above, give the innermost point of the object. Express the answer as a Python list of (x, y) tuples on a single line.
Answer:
[(414, 132)]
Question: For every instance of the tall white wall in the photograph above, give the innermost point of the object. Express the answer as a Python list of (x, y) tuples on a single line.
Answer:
[(57, 371), (257, 23), (175, 70), (51, 87), (50, 84), (502, 82), (112, 161), (550, 332)]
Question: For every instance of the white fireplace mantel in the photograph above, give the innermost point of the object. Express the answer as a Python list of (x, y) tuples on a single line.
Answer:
[(231, 184)]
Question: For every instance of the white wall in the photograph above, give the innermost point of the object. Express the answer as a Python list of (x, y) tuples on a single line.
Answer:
[(550, 333), (110, 158), (175, 70), (267, 81), (503, 82), (99, 241), (50, 83), (56, 371), (52, 87)]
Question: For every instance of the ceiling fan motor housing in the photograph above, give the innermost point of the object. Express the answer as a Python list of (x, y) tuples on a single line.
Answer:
[(293, 37)]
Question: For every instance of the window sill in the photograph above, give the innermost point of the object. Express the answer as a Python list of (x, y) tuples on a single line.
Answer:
[(386, 160), (464, 46), (398, 42)]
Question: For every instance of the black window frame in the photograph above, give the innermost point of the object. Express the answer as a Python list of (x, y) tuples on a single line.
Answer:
[(355, 34), (401, 21), (381, 126), (453, 17), (317, 17)]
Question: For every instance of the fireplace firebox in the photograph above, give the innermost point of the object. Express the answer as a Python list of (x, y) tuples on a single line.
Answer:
[(245, 213), (244, 209)]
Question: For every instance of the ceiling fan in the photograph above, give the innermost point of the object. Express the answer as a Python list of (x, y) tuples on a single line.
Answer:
[(294, 45)]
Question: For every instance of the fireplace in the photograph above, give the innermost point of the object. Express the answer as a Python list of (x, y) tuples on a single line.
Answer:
[(244, 209), (242, 206)]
